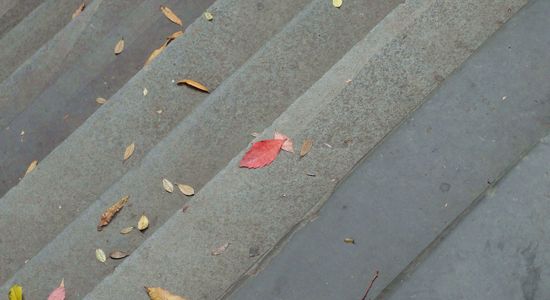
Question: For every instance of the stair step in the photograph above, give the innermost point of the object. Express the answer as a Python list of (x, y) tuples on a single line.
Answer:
[(89, 161), (256, 208), (41, 24), (13, 11), (424, 175), (49, 101), (206, 140)]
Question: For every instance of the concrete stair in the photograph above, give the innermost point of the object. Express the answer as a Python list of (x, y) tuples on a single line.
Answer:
[(345, 77)]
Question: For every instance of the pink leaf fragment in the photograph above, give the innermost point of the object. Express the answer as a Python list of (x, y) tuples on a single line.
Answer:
[(287, 145), (58, 293)]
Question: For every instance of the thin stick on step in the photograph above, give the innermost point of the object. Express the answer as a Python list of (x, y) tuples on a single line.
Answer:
[(370, 284)]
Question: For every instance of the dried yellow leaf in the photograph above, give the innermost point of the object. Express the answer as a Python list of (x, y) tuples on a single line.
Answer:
[(187, 190), (100, 100), (349, 241), (31, 167), (208, 16), (119, 47), (168, 186), (108, 215), (16, 292), (143, 223), (118, 254), (79, 10), (306, 147), (126, 230), (170, 15), (155, 53), (100, 255), (192, 83), (337, 3), (129, 151), (221, 249), (156, 293)]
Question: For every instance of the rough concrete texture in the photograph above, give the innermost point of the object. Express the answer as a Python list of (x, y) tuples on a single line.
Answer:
[(32, 32), (248, 208), (196, 150), (424, 175), (50, 100), (13, 11), (90, 160), (500, 250)]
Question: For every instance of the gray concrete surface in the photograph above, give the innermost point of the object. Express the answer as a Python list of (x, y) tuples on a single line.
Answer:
[(256, 208), (247, 101), (90, 160), (51, 99), (13, 11), (41, 24), (427, 173), (498, 251)]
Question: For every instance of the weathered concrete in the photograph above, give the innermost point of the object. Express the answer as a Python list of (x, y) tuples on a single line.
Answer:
[(13, 11), (256, 208), (33, 31), (51, 99), (208, 139), (90, 160), (425, 174)]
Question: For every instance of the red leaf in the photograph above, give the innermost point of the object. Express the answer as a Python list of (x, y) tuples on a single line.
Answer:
[(58, 293), (261, 154)]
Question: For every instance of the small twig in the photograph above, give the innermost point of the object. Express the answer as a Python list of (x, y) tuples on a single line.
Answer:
[(370, 284)]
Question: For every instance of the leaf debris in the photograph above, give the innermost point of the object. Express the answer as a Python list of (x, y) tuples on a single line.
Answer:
[(185, 189), (168, 13), (108, 215), (194, 84), (31, 167), (157, 293), (220, 249), (129, 151), (119, 47), (306, 147), (143, 223), (167, 185), (100, 255)]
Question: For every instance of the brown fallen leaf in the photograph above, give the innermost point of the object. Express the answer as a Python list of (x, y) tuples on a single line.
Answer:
[(306, 147), (192, 83), (168, 13), (287, 145), (143, 223), (221, 249), (108, 215), (126, 230), (100, 100), (100, 255), (118, 254), (173, 36), (31, 167), (156, 293), (167, 185), (79, 10), (185, 189), (155, 53), (119, 47), (129, 151)]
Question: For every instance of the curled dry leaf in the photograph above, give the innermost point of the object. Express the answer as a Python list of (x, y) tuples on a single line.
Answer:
[(168, 13), (167, 185), (337, 3), (31, 167), (16, 292), (100, 255), (100, 100), (287, 145), (58, 293), (187, 190), (155, 53), (119, 47), (118, 254), (143, 223), (108, 215), (172, 37), (156, 293), (129, 151), (221, 249), (194, 84), (208, 16), (349, 241), (127, 230), (261, 154), (306, 147), (79, 10)]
